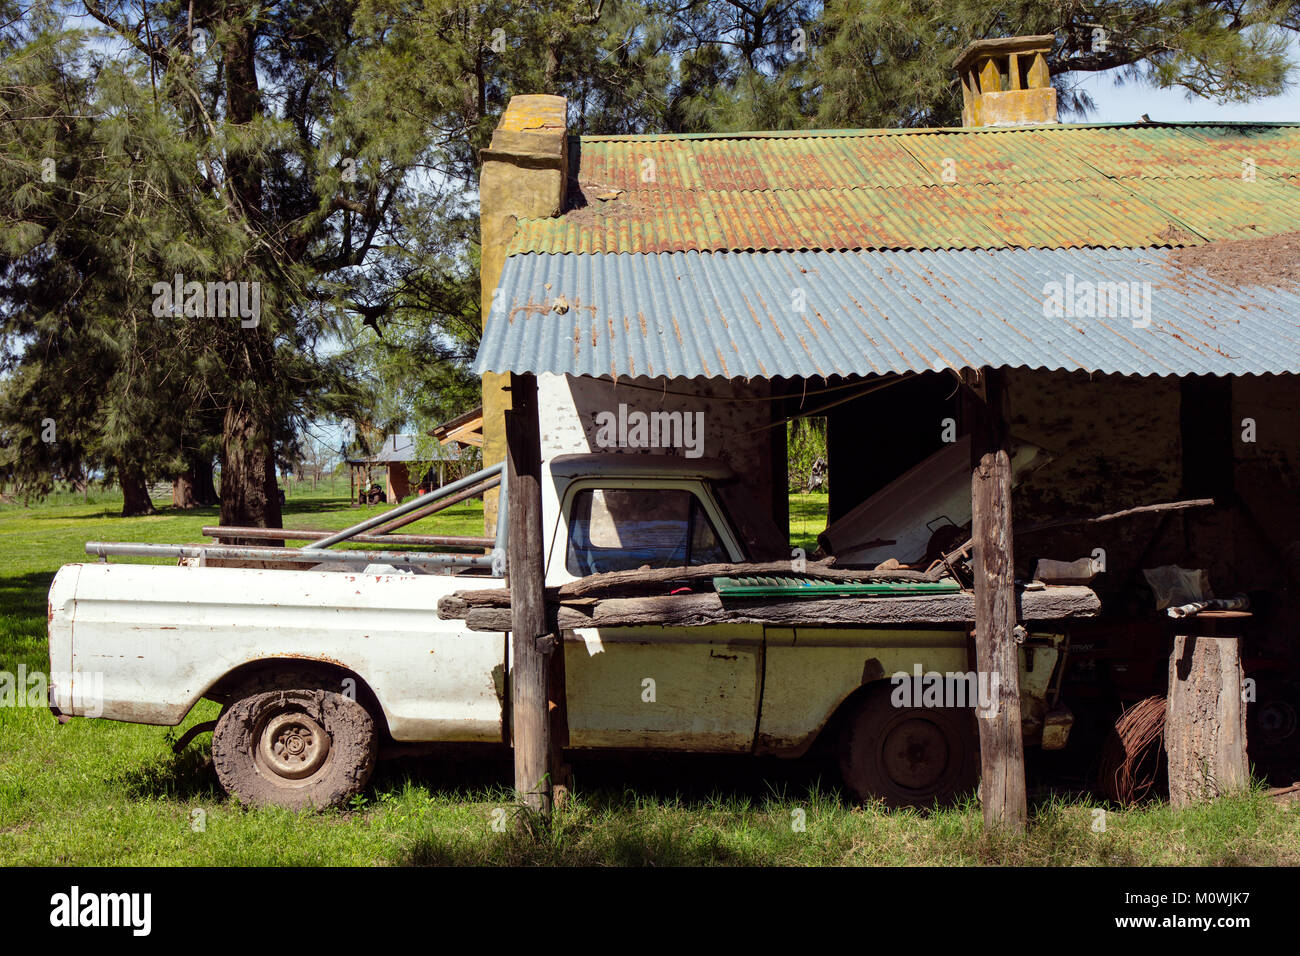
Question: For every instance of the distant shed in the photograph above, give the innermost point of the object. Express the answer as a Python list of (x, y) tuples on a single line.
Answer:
[(396, 456), (465, 431)]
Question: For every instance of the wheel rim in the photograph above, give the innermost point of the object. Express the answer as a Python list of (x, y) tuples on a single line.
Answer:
[(1277, 720), (915, 754), (293, 746)]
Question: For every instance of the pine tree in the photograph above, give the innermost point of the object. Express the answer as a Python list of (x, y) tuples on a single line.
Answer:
[(882, 63), (326, 152)]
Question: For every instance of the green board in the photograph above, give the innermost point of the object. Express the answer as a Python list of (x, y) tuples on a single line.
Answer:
[(791, 587)]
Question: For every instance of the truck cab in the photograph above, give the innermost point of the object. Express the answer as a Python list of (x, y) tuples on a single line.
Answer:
[(617, 512)]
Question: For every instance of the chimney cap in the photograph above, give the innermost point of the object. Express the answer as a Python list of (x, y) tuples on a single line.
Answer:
[(534, 112), (1003, 46)]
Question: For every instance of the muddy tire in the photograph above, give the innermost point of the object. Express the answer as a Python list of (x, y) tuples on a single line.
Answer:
[(908, 756), (295, 747)]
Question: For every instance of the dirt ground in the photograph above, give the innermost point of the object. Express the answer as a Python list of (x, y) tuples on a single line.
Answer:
[(1273, 261)]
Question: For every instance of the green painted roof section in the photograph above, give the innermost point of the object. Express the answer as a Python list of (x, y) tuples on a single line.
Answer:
[(756, 586), (1047, 187)]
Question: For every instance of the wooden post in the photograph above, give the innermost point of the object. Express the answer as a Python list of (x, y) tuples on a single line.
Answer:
[(1205, 725), (536, 766), (1002, 754)]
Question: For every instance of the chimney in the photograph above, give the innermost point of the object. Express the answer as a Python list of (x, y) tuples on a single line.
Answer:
[(523, 176), (1005, 82)]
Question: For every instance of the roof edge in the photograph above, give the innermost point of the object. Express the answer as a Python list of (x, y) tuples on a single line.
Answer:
[(928, 130)]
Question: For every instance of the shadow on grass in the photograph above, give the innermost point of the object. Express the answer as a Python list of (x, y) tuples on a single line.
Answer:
[(184, 776), (115, 512), (291, 507), (575, 840), (687, 780), (631, 809), (23, 595), (316, 506)]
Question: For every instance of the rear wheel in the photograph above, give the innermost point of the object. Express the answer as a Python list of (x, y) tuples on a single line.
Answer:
[(295, 747), (908, 756)]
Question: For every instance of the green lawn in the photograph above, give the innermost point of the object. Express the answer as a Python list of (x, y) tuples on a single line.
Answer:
[(807, 519), (95, 792)]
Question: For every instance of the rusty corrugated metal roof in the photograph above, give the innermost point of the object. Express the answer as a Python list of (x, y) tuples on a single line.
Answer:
[(1106, 213), (777, 314), (1029, 187)]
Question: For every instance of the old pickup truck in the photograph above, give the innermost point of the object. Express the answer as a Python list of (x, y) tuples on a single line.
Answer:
[(315, 668)]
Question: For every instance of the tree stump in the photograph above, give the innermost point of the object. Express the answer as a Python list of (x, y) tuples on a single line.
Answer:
[(1205, 727)]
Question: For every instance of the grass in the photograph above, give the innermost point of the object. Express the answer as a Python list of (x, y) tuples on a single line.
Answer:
[(807, 519), (101, 793)]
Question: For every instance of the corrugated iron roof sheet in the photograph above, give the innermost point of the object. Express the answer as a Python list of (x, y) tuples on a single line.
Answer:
[(1040, 187), (396, 449), (1106, 213), (775, 314)]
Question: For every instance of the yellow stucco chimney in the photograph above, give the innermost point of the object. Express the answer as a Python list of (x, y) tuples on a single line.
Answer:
[(1005, 82), (524, 173)]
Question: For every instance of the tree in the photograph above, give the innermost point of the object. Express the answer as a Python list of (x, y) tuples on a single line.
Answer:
[(187, 168), (882, 63), (324, 154)]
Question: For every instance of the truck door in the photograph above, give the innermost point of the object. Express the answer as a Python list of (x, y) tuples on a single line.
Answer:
[(655, 687)]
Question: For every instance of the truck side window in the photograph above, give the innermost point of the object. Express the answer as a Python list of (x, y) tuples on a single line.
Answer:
[(615, 529)]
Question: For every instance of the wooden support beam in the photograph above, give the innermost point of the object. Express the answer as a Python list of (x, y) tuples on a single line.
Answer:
[(537, 763), (1002, 753)]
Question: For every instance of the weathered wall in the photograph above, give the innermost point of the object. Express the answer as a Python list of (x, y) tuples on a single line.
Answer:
[(399, 482), (1115, 441), (734, 430), (1118, 444), (1268, 469)]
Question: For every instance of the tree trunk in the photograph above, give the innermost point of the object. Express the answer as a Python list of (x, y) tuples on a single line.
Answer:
[(205, 490), (183, 490), (135, 493), (193, 487), (248, 488)]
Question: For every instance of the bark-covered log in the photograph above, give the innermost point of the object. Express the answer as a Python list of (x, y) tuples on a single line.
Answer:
[(452, 607), (625, 582), (488, 597), (691, 610)]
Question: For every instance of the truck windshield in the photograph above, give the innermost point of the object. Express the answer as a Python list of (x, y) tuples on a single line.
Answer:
[(616, 529)]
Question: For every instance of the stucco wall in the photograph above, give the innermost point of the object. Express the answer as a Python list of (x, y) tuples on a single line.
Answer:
[(1118, 444)]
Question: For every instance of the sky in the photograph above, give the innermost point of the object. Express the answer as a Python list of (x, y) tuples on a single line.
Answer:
[(1127, 103)]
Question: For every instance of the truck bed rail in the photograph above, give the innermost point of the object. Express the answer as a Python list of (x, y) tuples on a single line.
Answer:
[(103, 549)]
